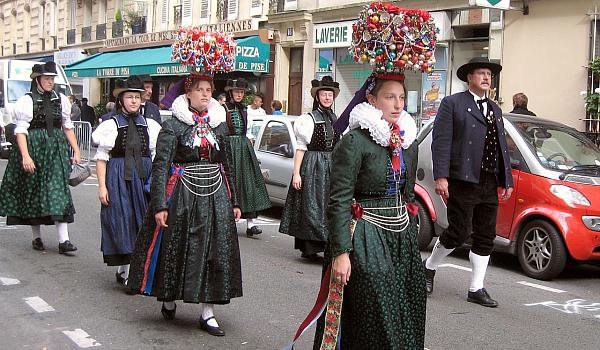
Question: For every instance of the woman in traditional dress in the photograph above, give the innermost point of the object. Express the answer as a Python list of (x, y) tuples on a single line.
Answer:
[(304, 214), (249, 182), (35, 187), (187, 248), (126, 143)]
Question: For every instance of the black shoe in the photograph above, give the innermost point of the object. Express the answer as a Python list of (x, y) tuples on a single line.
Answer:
[(66, 247), (216, 331), (254, 230), (37, 244), (120, 279), (168, 314), (429, 275), (482, 297)]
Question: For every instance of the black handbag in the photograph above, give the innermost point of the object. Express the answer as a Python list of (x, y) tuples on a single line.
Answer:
[(79, 173)]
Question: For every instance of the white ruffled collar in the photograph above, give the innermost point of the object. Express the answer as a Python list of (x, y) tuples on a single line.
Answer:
[(365, 116), (181, 111)]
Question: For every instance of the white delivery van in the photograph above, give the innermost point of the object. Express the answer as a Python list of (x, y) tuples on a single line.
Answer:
[(14, 83)]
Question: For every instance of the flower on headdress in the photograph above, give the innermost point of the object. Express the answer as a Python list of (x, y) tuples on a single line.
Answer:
[(394, 39), (208, 52)]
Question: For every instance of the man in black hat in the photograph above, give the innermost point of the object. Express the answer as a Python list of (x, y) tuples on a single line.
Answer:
[(149, 109), (470, 162)]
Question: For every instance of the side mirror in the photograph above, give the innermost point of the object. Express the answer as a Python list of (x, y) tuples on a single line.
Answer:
[(289, 151)]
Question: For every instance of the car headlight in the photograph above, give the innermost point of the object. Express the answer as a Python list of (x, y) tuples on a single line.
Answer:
[(570, 195), (592, 222)]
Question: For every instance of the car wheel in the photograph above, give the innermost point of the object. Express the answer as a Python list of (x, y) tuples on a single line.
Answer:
[(424, 225), (542, 253)]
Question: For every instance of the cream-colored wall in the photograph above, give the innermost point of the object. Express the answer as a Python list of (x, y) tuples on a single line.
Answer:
[(544, 57)]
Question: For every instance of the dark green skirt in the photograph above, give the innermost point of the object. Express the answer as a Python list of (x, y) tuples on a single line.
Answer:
[(43, 197), (305, 213), (385, 300), (249, 184)]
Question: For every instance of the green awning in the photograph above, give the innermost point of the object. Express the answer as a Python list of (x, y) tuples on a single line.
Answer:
[(252, 56)]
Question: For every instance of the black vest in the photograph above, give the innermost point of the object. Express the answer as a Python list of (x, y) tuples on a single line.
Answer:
[(118, 151), (324, 137)]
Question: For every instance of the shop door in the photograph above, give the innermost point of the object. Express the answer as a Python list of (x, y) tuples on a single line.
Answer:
[(295, 88)]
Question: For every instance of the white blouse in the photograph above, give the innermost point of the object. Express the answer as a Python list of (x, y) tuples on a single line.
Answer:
[(106, 134), (23, 113), (303, 128)]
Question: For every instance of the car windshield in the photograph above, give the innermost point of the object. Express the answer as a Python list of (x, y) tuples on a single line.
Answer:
[(18, 88), (559, 148)]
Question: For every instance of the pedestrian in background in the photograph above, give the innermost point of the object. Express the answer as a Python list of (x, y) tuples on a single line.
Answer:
[(470, 163), (304, 215), (35, 188), (249, 182), (149, 109), (276, 107), (520, 101), (188, 247), (126, 143), (75, 110), (222, 98), (255, 108), (87, 113)]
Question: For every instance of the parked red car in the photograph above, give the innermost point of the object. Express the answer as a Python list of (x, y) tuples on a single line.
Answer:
[(553, 215)]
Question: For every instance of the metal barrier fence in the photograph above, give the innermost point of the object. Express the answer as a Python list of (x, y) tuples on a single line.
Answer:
[(83, 133)]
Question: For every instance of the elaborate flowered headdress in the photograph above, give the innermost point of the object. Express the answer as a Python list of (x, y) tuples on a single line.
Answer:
[(392, 40), (207, 52)]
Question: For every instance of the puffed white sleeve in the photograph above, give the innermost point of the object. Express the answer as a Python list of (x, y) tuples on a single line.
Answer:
[(23, 114), (408, 125), (65, 105), (105, 135), (153, 130), (303, 128)]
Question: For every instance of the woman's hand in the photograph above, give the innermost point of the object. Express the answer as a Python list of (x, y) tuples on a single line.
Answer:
[(237, 214), (297, 181), (28, 164), (76, 157), (161, 218), (341, 268), (103, 195)]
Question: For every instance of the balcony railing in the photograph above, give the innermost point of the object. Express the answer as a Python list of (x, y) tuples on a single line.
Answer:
[(139, 26), (86, 34), (71, 36), (101, 31), (117, 29)]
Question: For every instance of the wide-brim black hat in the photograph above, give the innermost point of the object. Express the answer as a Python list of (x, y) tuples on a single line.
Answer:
[(132, 83), (48, 68), (146, 78), (236, 84), (474, 63), (326, 83)]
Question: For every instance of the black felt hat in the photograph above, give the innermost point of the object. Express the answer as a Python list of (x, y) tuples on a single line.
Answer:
[(474, 63), (239, 83), (133, 83), (326, 83), (48, 68), (146, 78)]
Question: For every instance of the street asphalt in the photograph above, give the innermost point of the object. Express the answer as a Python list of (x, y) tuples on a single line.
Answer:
[(51, 301)]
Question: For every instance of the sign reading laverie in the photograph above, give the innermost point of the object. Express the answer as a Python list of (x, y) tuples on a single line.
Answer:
[(337, 34)]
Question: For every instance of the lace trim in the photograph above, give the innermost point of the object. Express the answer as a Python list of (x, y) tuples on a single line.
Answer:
[(181, 111), (365, 116)]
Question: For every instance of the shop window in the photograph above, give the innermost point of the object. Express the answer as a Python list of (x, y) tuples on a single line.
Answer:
[(325, 64)]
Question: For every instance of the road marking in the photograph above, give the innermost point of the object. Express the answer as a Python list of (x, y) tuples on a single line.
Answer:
[(573, 306), (81, 338), (38, 304), (90, 184), (9, 281), (539, 286), (458, 267)]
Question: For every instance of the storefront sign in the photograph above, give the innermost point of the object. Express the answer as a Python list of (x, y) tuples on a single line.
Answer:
[(169, 35), (252, 55), (338, 34), (497, 4), (68, 56)]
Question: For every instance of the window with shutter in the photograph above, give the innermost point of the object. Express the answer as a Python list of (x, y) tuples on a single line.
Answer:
[(256, 8), (232, 10), (165, 12), (186, 12), (290, 5), (204, 11), (73, 15), (53, 18)]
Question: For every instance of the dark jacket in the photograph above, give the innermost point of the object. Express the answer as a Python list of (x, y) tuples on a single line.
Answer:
[(521, 110), (88, 115), (459, 138)]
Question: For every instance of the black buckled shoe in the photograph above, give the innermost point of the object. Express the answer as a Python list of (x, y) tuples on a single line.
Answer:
[(429, 275), (254, 230), (168, 314), (481, 297), (216, 331), (120, 279), (37, 244), (66, 247)]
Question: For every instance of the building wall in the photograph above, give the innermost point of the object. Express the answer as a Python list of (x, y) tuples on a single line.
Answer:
[(544, 56)]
